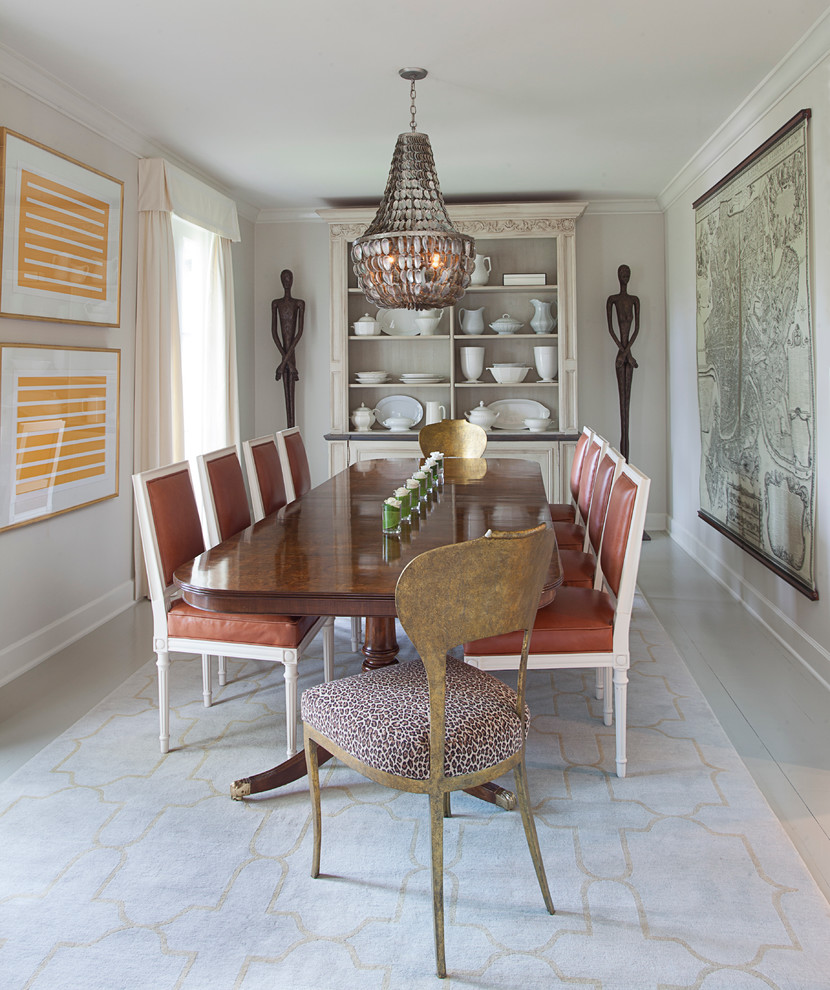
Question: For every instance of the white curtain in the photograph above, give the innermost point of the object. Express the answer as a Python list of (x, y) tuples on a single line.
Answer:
[(163, 431)]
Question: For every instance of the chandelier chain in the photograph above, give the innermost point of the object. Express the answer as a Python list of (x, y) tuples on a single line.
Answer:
[(412, 125)]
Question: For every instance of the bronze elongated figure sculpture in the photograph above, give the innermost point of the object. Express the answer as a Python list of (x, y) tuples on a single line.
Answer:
[(628, 312), (287, 316)]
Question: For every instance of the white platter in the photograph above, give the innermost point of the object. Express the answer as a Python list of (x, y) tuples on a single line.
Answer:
[(404, 405), (513, 413), (422, 381), (404, 320)]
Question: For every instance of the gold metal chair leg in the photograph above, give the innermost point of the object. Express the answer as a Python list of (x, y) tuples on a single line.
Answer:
[(314, 793), (436, 825), (447, 808), (520, 774)]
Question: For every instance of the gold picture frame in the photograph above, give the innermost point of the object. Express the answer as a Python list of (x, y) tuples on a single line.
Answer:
[(60, 248), (59, 430)]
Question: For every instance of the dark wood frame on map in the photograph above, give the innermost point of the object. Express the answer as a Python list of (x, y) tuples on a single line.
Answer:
[(783, 131)]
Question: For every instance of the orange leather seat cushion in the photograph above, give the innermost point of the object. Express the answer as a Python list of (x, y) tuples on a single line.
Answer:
[(577, 568), (562, 512), (578, 620), (569, 536), (284, 631)]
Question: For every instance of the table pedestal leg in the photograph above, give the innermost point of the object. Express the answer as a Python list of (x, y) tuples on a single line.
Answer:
[(291, 769), (380, 648)]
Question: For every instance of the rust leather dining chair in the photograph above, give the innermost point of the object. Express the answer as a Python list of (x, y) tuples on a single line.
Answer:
[(266, 481), (455, 437), (171, 534), (566, 511), (294, 462), (434, 725), (579, 567), (224, 510), (297, 475), (574, 535), (588, 627)]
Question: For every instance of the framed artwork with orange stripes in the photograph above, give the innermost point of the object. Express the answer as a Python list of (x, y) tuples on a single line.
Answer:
[(58, 430), (61, 236)]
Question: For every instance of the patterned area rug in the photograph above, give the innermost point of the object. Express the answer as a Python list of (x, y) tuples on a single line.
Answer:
[(125, 869)]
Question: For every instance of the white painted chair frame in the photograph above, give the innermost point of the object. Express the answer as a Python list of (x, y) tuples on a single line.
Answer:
[(162, 597), (357, 622), (619, 659), (248, 447)]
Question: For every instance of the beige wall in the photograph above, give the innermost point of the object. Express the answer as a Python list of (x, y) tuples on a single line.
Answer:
[(603, 242), (66, 574), (802, 625), (63, 576)]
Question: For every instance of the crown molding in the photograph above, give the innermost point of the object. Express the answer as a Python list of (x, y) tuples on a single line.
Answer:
[(36, 82), (598, 207), (809, 52), (288, 214)]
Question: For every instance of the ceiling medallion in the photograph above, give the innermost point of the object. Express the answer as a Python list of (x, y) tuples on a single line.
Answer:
[(411, 256)]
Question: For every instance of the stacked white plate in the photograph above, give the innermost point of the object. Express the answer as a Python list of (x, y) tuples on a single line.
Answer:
[(420, 378), (371, 377)]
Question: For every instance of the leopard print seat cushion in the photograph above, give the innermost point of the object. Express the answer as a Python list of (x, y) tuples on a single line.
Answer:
[(382, 718)]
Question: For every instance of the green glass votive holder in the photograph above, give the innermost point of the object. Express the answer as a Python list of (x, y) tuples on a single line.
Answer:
[(414, 494), (402, 495), (391, 515), (421, 478)]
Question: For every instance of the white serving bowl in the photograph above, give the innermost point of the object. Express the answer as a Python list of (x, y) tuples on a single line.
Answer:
[(508, 375), (398, 423), (537, 424), (427, 325)]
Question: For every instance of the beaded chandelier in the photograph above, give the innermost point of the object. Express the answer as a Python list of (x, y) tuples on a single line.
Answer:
[(411, 256)]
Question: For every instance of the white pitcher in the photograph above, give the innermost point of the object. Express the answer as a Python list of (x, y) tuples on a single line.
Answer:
[(543, 321), (435, 412), (481, 271), (472, 320)]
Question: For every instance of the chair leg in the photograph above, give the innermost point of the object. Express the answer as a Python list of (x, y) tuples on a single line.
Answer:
[(599, 686), (163, 668), (313, 769), (607, 697), (290, 668), (523, 797), (356, 630), (207, 680), (620, 704), (223, 671), (328, 649), (436, 828), (447, 806)]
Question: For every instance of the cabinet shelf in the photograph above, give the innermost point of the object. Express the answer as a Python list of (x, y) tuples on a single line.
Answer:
[(524, 238), (529, 289)]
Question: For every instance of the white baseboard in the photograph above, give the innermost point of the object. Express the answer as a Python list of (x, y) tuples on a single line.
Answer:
[(656, 522), (28, 652), (810, 653)]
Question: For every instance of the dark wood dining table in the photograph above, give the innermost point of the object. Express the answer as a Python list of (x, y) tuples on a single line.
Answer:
[(326, 554)]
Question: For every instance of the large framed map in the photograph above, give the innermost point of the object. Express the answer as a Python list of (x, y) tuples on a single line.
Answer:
[(756, 381)]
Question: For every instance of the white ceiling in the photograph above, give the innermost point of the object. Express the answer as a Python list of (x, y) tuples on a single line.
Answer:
[(298, 105)]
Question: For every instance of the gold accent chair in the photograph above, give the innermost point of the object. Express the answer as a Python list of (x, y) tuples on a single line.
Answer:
[(171, 534), (435, 724), (455, 437), (588, 627)]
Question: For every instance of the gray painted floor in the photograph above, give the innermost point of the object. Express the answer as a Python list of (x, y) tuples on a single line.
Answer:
[(776, 714)]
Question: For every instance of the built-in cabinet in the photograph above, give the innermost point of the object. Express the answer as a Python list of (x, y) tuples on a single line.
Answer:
[(531, 252)]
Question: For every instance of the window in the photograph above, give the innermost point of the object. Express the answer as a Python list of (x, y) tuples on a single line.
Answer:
[(206, 340)]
